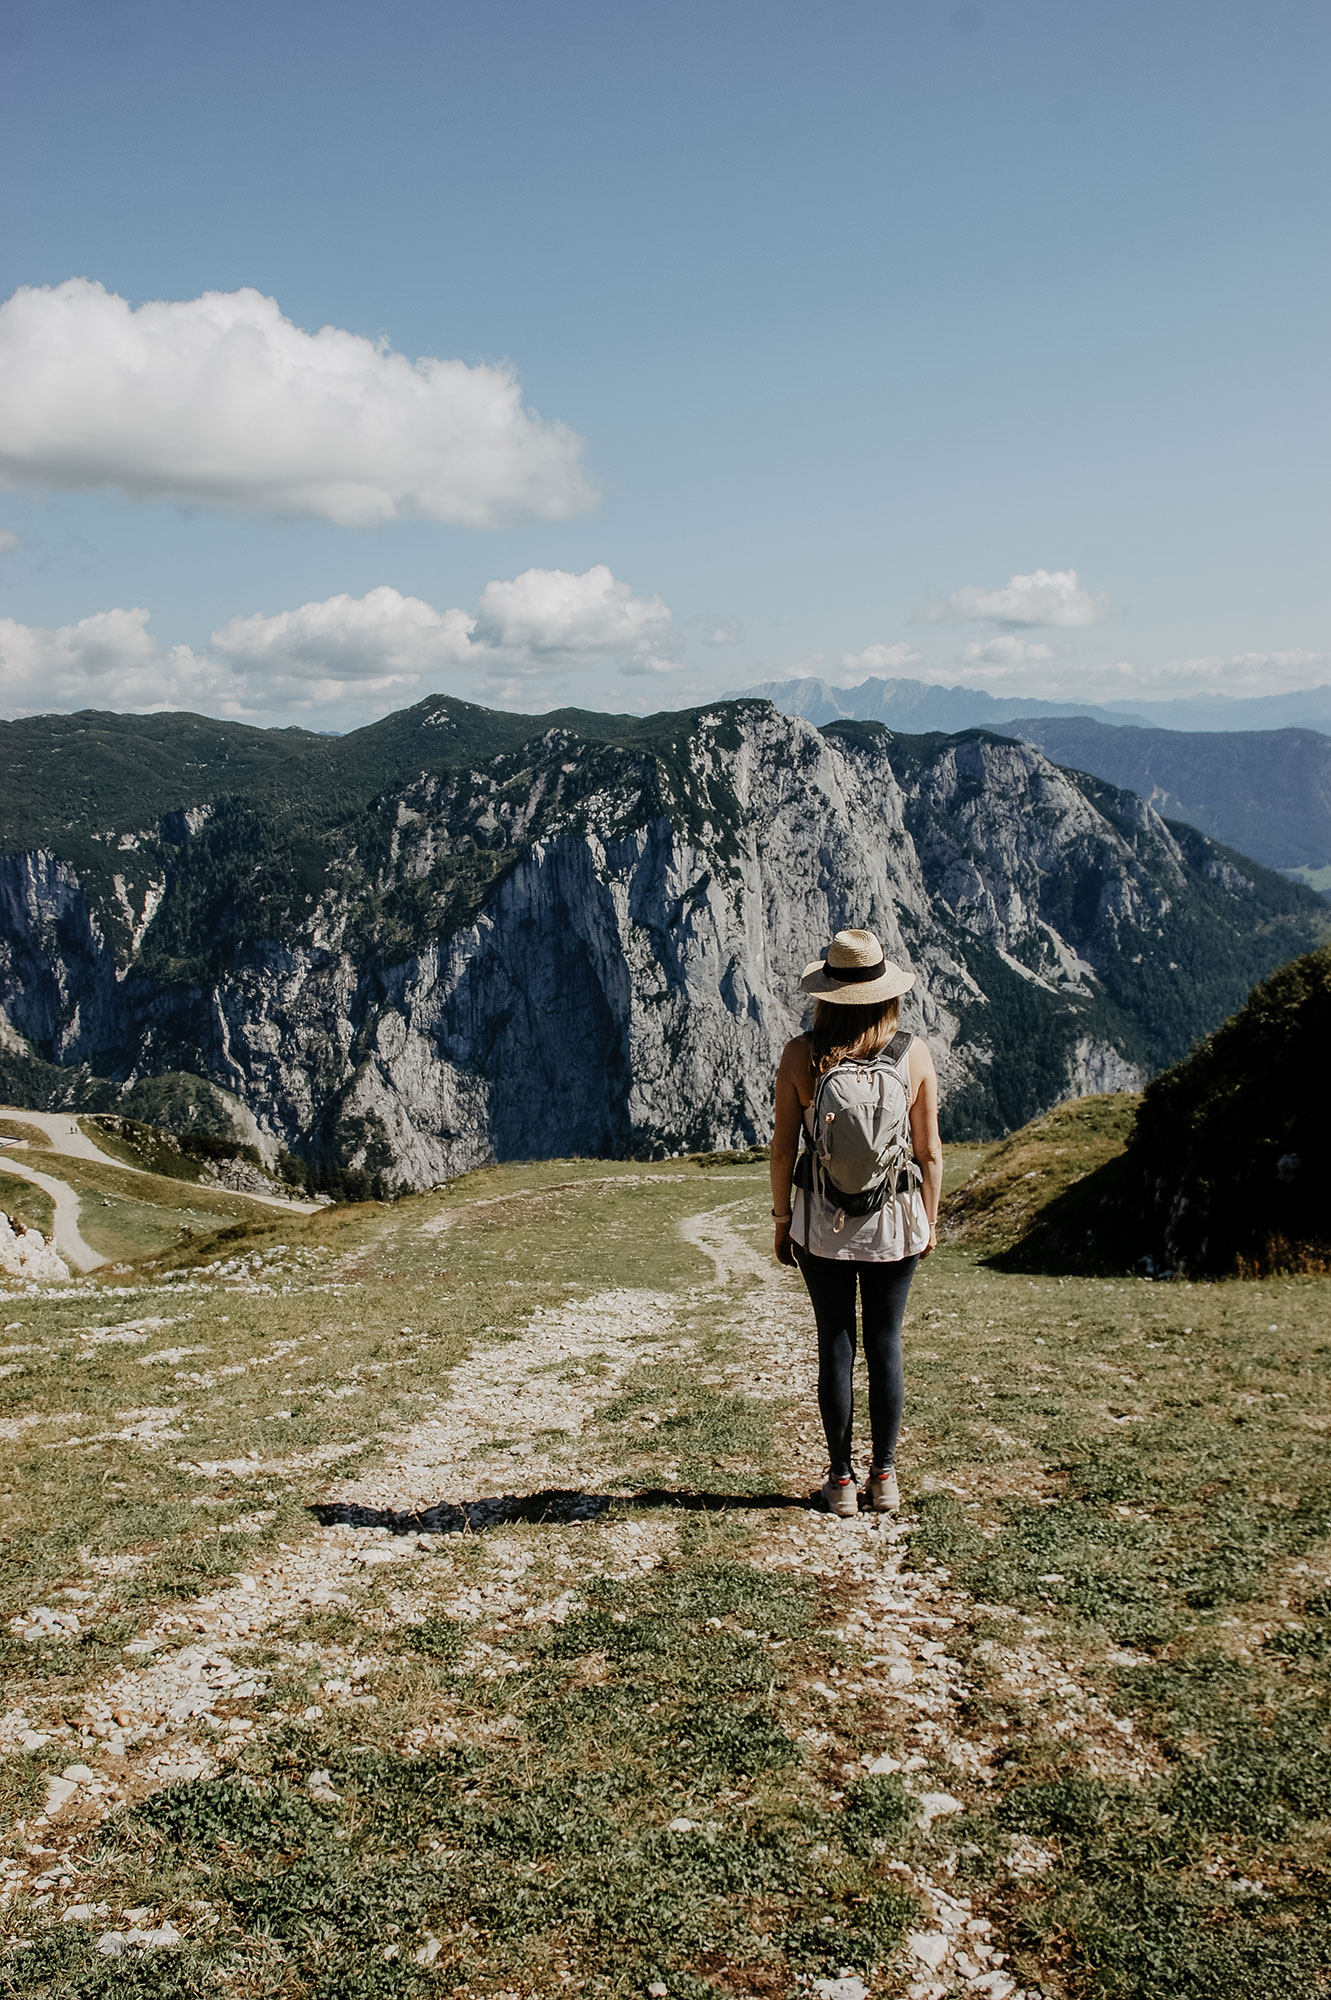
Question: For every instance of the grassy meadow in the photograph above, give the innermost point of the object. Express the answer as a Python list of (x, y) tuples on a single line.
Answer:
[(644, 1723)]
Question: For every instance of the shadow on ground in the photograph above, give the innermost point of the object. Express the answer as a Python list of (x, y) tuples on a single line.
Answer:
[(555, 1505)]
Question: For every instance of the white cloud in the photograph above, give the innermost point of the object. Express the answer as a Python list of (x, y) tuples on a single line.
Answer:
[(381, 637), (1006, 651), (1122, 680), (1045, 597), (9, 541), (1235, 673), (876, 660), (724, 632), (109, 660), (220, 401), (344, 659), (548, 616)]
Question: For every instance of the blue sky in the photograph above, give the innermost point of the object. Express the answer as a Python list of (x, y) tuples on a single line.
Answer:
[(868, 317)]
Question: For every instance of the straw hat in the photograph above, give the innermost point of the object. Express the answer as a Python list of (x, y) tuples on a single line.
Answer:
[(855, 972)]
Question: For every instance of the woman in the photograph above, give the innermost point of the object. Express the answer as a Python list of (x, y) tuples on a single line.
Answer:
[(837, 1249)]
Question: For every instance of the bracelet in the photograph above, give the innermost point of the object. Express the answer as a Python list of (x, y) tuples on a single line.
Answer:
[(787, 1217)]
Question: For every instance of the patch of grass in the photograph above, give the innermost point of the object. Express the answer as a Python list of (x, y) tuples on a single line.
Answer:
[(998, 1206), (1143, 1488), (1131, 1476), (437, 1637), (877, 1809), (31, 1135), (553, 1852), (24, 1203)]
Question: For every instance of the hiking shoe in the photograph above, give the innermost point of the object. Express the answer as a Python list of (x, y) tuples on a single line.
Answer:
[(839, 1496), (882, 1493)]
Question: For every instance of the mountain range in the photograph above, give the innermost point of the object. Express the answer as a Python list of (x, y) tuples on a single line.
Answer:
[(924, 705), (1266, 791), (459, 934)]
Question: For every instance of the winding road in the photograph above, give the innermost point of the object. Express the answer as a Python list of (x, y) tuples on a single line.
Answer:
[(68, 1137)]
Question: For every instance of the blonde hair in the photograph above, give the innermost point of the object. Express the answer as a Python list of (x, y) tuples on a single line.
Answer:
[(844, 1033)]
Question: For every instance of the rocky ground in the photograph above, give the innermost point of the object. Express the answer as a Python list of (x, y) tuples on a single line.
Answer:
[(846, 1778)]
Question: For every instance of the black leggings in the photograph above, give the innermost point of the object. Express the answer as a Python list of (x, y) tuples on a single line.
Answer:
[(883, 1288)]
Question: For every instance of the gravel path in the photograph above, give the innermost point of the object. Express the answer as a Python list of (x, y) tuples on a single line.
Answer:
[(65, 1231), (520, 1417), (68, 1137)]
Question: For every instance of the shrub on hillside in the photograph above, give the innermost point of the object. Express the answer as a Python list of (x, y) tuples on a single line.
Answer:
[(1232, 1146)]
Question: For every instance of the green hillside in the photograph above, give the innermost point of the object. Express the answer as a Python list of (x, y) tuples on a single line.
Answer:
[(1220, 1169), (1232, 1146), (70, 776)]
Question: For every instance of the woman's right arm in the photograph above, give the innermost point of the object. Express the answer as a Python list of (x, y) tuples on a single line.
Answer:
[(925, 1141), (785, 1144)]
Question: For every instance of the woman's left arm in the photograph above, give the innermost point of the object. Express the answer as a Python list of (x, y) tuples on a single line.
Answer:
[(927, 1145)]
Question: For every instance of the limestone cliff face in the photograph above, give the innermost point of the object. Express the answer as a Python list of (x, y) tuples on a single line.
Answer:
[(577, 947)]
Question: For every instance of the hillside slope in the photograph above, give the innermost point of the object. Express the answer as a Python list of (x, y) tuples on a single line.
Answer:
[(1220, 1169), (445, 937), (1232, 1147)]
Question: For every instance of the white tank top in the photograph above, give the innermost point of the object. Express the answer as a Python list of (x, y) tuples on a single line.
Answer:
[(900, 1228)]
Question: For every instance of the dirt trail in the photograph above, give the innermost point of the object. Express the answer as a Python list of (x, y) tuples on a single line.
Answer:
[(717, 1238), (477, 1444), (65, 1231), (549, 1382), (65, 1133), (68, 1137), (521, 1415)]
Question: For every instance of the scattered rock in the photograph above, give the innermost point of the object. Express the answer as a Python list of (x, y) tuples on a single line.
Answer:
[(26, 1254), (929, 1947), (936, 1805), (41, 1622)]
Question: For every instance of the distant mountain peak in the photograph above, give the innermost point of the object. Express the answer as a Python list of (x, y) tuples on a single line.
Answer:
[(925, 705)]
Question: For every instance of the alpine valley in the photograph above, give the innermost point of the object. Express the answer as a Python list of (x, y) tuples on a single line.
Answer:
[(460, 935)]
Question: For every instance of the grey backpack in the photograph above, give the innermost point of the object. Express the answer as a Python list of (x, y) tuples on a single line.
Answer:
[(861, 1154)]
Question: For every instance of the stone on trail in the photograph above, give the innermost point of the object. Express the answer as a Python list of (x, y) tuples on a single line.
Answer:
[(929, 1947), (936, 1805), (41, 1622)]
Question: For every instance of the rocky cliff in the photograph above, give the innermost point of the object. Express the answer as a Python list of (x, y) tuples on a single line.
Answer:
[(459, 935)]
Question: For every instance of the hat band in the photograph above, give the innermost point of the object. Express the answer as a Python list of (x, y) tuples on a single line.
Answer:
[(852, 975)]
